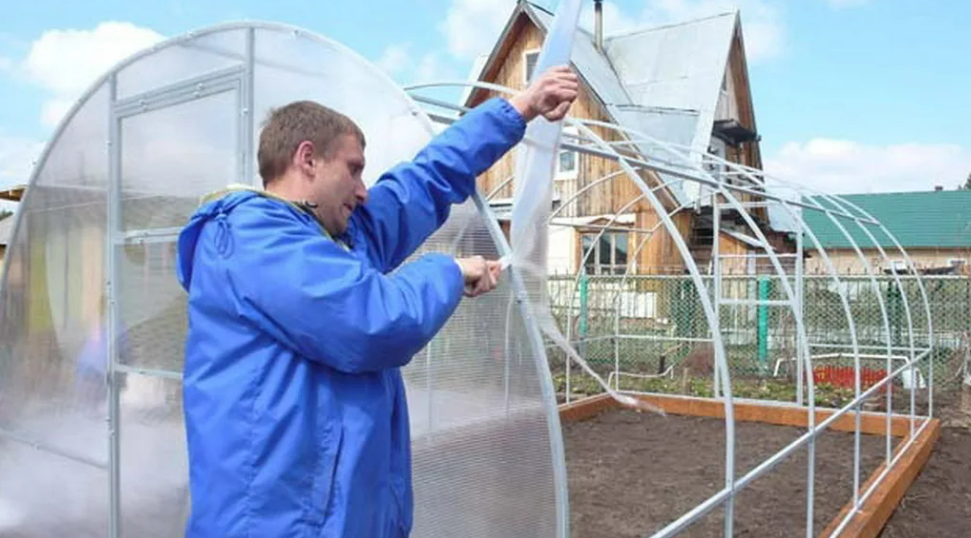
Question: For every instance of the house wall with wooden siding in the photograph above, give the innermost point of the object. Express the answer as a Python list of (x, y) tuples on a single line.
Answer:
[(737, 70), (606, 198), (847, 261)]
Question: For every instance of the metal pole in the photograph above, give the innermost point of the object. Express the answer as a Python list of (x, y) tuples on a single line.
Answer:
[(246, 117), (716, 272), (111, 292), (801, 352)]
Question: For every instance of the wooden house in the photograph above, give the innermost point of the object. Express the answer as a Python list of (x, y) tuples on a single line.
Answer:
[(685, 84)]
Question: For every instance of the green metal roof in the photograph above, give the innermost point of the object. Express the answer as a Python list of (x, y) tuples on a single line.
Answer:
[(929, 219)]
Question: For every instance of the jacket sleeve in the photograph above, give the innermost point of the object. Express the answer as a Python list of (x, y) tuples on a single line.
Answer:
[(412, 200), (323, 302)]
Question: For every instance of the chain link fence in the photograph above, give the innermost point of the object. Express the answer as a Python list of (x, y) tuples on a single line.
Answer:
[(651, 333)]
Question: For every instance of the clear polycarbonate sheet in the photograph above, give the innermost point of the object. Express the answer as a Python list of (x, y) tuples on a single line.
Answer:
[(187, 119), (51, 366), (44, 494), (185, 60), (172, 155), (480, 439), (151, 307), (292, 66), (154, 492), (535, 165)]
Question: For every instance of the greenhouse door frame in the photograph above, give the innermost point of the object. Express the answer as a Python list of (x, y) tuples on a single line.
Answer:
[(237, 80)]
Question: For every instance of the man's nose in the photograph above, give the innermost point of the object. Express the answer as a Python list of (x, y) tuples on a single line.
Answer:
[(361, 192)]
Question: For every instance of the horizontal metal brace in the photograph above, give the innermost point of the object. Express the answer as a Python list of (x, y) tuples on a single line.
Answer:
[(180, 92), (753, 302), (149, 372), (158, 235), (661, 338), (757, 255), (644, 164), (44, 447)]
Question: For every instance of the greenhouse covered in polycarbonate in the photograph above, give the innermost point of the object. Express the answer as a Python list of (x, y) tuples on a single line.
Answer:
[(89, 295), (89, 291)]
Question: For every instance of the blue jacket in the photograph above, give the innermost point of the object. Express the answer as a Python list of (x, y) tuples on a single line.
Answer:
[(295, 410)]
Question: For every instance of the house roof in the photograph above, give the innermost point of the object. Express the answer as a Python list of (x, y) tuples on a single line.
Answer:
[(664, 81), (929, 219)]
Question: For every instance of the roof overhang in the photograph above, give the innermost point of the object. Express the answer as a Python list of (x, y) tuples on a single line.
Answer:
[(13, 194)]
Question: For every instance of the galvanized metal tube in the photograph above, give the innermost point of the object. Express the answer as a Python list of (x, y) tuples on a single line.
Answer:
[(111, 290), (720, 358), (856, 381)]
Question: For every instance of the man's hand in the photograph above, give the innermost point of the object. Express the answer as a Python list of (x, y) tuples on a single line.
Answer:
[(480, 275), (550, 95)]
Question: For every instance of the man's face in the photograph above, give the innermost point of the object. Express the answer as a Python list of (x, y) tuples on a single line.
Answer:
[(338, 187)]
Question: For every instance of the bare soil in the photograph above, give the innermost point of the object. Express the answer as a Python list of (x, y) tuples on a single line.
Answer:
[(631, 474), (938, 503)]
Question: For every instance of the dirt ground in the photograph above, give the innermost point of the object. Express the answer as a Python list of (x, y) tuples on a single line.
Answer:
[(938, 503), (631, 474)]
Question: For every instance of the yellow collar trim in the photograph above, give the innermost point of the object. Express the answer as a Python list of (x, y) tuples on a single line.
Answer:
[(240, 187)]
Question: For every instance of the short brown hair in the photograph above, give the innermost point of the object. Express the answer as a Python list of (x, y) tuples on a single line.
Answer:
[(286, 127)]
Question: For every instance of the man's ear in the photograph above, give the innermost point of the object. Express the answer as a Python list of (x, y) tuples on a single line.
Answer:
[(305, 157)]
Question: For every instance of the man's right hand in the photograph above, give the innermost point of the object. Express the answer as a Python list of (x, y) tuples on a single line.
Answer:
[(550, 95), (481, 275)]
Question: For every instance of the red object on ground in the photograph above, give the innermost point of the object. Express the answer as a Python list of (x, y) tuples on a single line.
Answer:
[(844, 376)]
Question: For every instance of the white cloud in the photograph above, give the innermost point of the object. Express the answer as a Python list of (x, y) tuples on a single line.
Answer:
[(17, 158), (402, 64), (842, 167), (471, 27), (66, 62)]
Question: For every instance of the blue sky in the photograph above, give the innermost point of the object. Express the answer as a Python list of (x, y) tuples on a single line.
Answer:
[(850, 95)]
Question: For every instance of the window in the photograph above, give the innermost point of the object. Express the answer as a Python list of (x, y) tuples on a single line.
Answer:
[(569, 161), (609, 256), (530, 58)]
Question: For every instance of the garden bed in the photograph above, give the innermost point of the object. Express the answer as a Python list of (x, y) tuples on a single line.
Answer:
[(631, 474)]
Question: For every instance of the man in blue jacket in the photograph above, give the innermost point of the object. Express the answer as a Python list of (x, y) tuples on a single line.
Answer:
[(300, 318)]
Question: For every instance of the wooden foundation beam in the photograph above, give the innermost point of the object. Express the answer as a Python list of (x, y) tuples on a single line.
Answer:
[(874, 513)]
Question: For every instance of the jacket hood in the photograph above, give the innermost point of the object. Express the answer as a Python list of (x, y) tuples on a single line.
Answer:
[(214, 206)]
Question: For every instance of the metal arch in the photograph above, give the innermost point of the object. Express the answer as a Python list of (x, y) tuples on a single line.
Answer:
[(907, 313), (535, 338), (103, 81), (863, 217), (600, 234), (576, 195), (927, 311), (788, 205), (720, 359), (623, 283), (498, 188), (886, 320), (856, 359), (830, 213), (800, 328), (910, 263), (854, 345)]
